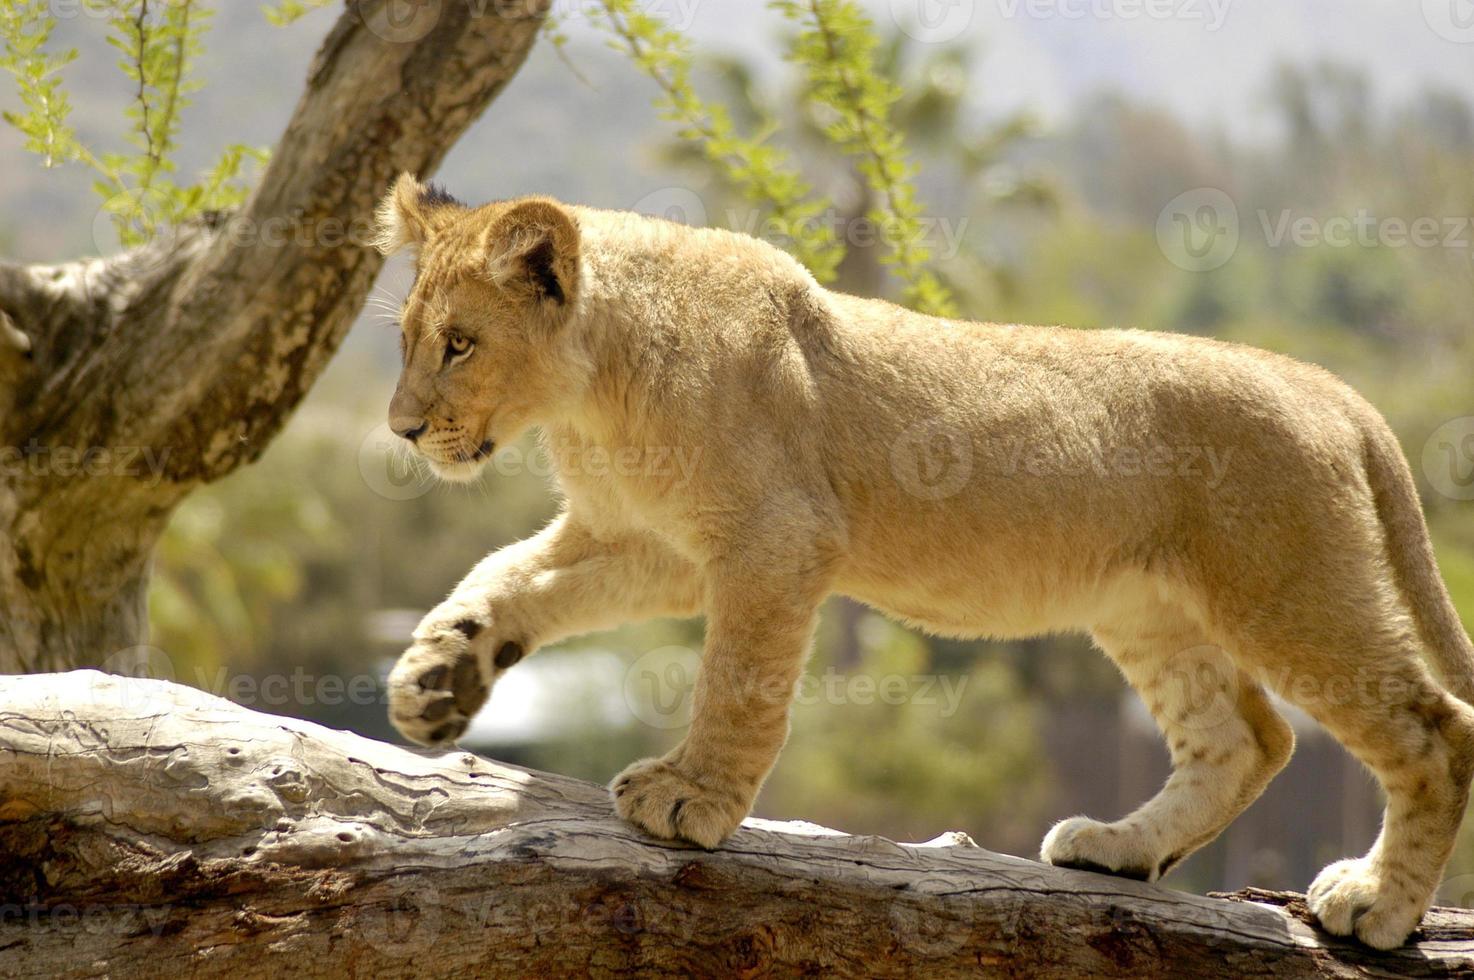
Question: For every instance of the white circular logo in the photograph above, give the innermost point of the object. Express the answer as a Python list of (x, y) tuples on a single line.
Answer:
[(401, 21), (1448, 458), (659, 685), (937, 926), (932, 460), (1457, 891), (389, 468), (933, 21), (1202, 685), (408, 922), (679, 204), (1452, 20), (140, 662), (141, 216), (1198, 230)]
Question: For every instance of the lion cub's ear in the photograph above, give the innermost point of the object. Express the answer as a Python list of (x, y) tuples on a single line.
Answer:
[(532, 247), (411, 213)]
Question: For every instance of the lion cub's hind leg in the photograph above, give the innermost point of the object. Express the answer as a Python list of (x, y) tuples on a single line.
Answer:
[(1226, 741), (1419, 742)]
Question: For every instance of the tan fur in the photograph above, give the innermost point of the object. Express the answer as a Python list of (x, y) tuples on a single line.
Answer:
[(1225, 522)]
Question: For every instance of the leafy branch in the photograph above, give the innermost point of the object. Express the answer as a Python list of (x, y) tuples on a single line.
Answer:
[(159, 42), (760, 171), (836, 45)]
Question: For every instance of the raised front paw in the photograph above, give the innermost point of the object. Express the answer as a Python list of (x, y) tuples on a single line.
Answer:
[(660, 799), (1089, 845), (441, 681), (1352, 897)]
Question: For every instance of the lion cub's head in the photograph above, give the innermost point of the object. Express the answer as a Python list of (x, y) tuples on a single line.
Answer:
[(485, 331)]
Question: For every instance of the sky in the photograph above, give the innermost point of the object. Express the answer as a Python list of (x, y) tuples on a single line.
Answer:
[(1206, 60)]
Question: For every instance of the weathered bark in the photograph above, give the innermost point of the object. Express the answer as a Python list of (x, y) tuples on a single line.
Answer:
[(170, 366), (148, 829)]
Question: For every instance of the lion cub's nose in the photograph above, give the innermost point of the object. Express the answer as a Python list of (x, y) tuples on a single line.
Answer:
[(408, 428)]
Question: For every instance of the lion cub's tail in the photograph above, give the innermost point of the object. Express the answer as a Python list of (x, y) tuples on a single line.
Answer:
[(1450, 652)]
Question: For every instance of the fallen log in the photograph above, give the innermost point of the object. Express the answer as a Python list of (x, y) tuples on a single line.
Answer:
[(149, 829)]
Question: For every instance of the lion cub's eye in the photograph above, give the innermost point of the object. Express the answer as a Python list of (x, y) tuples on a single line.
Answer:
[(457, 345)]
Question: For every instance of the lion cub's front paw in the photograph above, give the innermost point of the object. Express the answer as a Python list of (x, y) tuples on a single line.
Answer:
[(657, 797), (1089, 845), (1351, 897), (445, 677), (434, 689)]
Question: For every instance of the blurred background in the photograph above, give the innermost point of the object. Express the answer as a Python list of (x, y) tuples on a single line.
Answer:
[(1296, 176)]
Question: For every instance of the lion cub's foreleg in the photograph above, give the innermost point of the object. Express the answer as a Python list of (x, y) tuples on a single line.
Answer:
[(758, 631), (561, 582), (1225, 737)]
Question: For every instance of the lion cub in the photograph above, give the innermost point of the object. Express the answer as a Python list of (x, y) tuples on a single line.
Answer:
[(1223, 521)]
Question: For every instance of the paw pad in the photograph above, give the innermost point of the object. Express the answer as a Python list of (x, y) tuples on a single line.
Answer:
[(437, 704)]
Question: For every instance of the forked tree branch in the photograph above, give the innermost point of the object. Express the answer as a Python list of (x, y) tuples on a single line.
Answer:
[(193, 351)]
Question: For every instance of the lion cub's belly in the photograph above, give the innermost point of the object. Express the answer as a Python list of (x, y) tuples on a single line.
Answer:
[(974, 600)]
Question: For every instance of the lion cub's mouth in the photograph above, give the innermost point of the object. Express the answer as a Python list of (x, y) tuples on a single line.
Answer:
[(462, 457), (463, 466)]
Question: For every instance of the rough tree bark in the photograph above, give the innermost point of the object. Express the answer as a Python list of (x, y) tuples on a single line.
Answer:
[(149, 829), (127, 382)]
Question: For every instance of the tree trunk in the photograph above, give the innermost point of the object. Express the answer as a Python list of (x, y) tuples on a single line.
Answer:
[(149, 829), (127, 382)]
